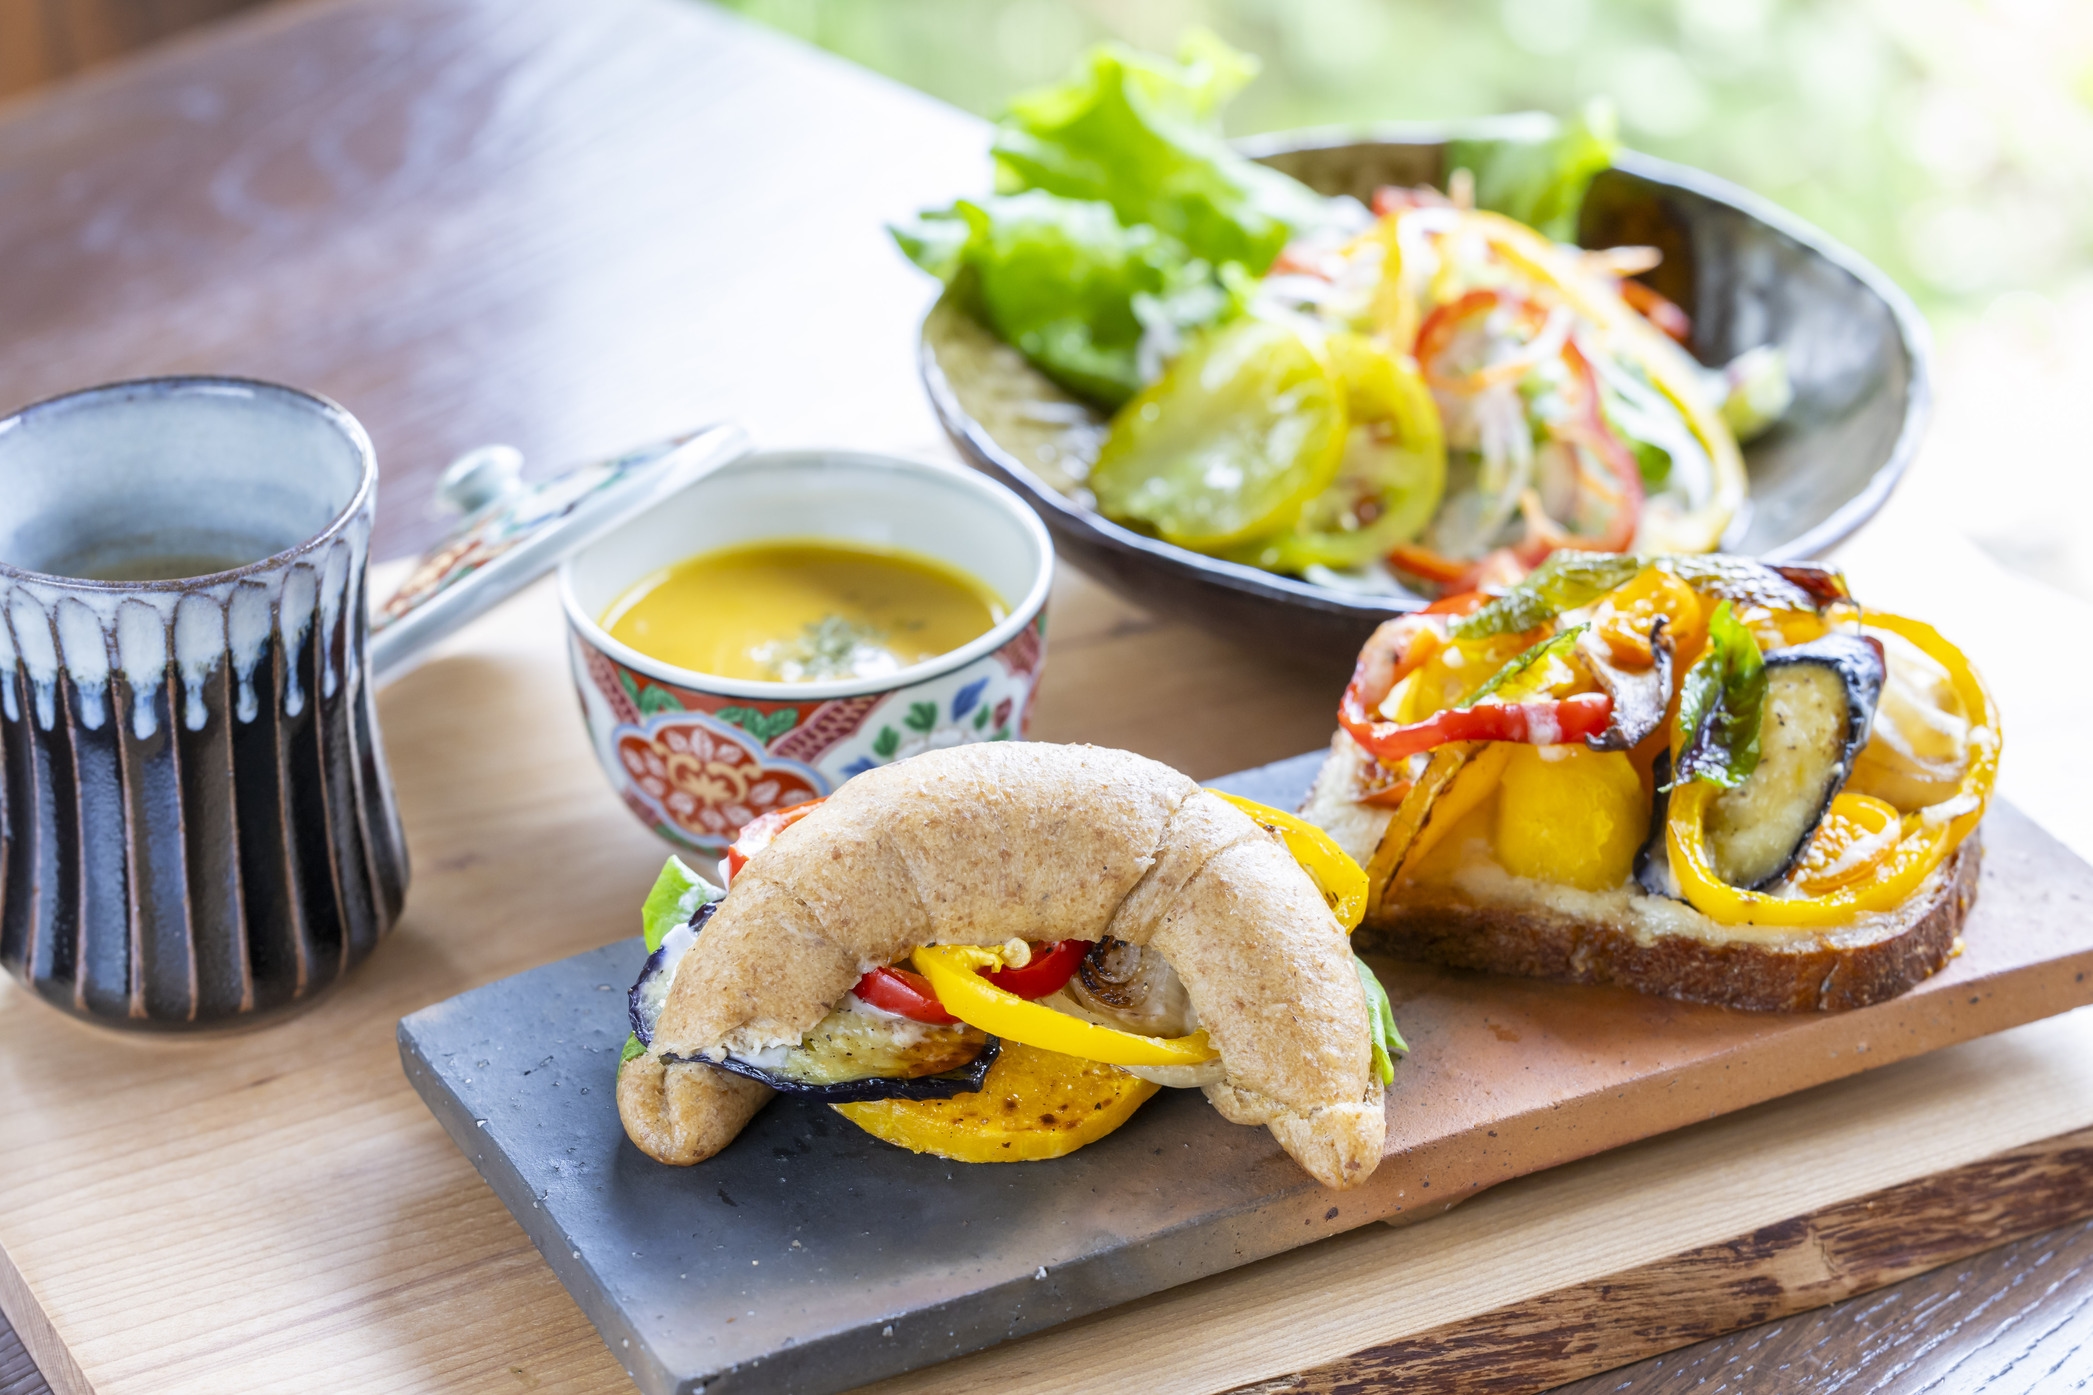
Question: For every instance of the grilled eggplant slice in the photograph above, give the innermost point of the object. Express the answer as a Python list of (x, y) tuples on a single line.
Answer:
[(1639, 697), (1820, 700), (1653, 864), (644, 1003), (855, 1053), (860, 1053)]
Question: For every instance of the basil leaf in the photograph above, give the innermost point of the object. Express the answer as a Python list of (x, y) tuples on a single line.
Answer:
[(1749, 583), (1563, 582), (1721, 705), (632, 1049), (1526, 660), (677, 894), (1388, 1042)]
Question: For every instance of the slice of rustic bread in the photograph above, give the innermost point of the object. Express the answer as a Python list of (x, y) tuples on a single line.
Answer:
[(1471, 913)]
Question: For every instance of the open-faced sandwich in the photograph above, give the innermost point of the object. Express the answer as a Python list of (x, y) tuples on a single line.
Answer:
[(997, 952), (1699, 776)]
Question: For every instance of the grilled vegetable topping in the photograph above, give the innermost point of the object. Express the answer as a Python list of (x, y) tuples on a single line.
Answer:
[(857, 1054), (1034, 1104), (1640, 696), (644, 1003), (1926, 837), (1563, 582), (1819, 700), (955, 972), (1720, 706), (1653, 864)]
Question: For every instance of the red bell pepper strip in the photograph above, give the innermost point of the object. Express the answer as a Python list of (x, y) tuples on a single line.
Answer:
[(904, 992), (1590, 430), (1047, 971), (1662, 313), (909, 994), (759, 832), (1437, 333), (1539, 721)]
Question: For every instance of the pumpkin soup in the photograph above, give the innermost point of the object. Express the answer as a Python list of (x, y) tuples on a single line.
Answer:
[(803, 610)]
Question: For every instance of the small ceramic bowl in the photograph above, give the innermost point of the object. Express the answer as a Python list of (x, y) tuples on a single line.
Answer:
[(695, 756)]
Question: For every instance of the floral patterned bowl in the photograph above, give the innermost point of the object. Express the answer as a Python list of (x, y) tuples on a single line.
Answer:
[(696, 756)]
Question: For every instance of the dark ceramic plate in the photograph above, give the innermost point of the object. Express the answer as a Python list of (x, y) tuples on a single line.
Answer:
[(1747, 272)]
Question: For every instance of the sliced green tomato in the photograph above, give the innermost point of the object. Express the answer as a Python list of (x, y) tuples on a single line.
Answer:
[(1390, 478), (1244, 428)]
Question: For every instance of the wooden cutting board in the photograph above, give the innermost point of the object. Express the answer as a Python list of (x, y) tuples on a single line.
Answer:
[(808, 1257), (267, 1211)]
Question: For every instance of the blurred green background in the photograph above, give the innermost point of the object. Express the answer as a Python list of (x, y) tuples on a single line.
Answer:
[(1951, 141)]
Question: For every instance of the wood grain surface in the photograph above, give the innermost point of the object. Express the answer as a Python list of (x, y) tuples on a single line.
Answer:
[(574, 227), (2016, 1320), (1802, 1262), (571, 227), (18, 1373)]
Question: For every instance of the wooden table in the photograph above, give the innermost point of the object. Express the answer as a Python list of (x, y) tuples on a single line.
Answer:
[(573, 226)]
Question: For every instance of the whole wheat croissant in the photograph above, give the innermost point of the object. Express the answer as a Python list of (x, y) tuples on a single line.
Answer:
[(981, 844)]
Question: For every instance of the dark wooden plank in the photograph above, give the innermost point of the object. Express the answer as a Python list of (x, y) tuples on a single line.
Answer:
[(1806, 1262), (2015, 1319), (18, 1374), (568, 226)]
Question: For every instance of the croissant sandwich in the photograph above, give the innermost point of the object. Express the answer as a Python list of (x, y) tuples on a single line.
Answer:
[(1703, 777), (997, 952)]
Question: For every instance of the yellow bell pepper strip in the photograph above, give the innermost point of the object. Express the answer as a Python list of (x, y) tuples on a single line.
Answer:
[(1416, 809), (1477, 780), (1928, 836), (1857, 833), (954, 972), (1341, 880)]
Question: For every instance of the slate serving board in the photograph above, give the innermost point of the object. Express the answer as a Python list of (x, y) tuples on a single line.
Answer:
[(810, 1258)]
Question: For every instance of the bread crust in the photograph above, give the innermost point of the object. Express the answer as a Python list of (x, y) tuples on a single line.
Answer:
[(1805, 973)]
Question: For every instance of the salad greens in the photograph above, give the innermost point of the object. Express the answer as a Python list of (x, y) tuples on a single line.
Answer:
[(1122, 220), (1143, 135), (1501, 396), (675, 898), (1069, 285), (1721, 703), (1387, 1040), (1538, 169)]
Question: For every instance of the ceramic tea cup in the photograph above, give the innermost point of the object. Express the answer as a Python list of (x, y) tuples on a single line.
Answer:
[(196, 826), (694, 755)]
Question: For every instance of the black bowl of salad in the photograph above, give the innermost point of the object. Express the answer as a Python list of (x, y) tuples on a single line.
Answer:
[(1291, 387)]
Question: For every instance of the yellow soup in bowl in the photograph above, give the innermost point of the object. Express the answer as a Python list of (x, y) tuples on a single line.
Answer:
[(803, 610)]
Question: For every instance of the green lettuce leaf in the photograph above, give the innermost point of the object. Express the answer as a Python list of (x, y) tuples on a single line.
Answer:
[(1069, 286), (1721, 705), (1388, 1042), (677, 894), (1539, 169), (1143, 134), (632, 1048)]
